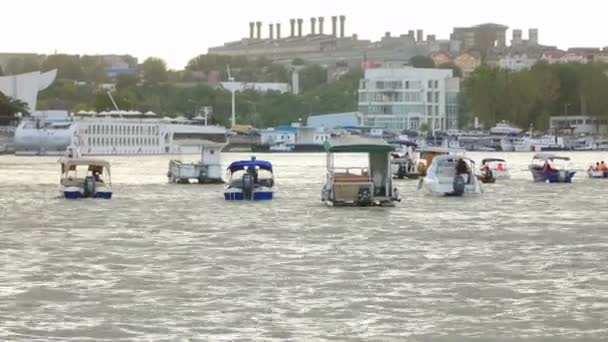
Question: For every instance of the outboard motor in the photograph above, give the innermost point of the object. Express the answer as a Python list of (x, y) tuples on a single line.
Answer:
[(89, 186), (202, 176), (364, 197), (248, 185), (401, 171), (459, 186)]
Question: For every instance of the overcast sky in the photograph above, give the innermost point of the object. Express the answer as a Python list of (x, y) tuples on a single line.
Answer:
[(177, 30)]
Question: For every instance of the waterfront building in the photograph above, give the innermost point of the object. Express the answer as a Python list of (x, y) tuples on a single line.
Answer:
[(578, 124), (407, 98)]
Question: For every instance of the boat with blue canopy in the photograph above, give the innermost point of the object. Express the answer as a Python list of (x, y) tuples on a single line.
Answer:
[(251, 180), (550, 168)]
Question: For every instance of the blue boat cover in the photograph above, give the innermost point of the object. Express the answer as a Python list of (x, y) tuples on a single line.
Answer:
[(242, 164)]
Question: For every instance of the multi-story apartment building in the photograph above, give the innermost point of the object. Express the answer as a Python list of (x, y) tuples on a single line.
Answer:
[(407, 98)]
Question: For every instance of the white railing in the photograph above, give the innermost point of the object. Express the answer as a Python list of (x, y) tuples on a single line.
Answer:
[(7, 129)]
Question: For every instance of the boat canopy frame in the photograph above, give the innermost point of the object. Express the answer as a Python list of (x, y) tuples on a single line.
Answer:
[(242, 164), (550, 157), (99, 165), (492, 160), (357, 145)]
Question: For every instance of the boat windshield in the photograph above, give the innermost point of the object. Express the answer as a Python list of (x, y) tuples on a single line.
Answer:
[(262, 176), (79, 172), (556, 164)]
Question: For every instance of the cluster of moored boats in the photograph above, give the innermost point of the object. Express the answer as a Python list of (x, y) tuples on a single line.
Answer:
[(440, 171)]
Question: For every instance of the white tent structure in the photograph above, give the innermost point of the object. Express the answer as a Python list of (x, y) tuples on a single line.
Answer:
[(25, 87)]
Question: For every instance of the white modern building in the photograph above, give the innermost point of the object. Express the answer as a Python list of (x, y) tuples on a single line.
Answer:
[(517, 62), (407, 98)]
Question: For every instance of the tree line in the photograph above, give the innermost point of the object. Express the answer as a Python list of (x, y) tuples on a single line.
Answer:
[(490, 94), (532, 96), (81, 81)]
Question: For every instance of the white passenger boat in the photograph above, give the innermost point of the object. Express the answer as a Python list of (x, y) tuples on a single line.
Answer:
[(451, 176), (206, 170), (85, 178), (105, 133)]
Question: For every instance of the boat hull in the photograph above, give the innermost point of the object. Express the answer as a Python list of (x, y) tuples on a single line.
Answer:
[(73, 194), (564, 176), (256, 196), (447, 189), (597, 174)]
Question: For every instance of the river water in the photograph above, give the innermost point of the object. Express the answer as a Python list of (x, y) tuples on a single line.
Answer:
[(163, 262)]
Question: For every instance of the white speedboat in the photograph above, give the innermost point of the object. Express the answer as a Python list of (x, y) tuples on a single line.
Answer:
[(597, 174), (451, 176), (404, 160), (85, 178), (497, 168), (504, 128), (549, 168)]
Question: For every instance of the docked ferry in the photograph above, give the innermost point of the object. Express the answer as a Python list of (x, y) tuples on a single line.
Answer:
[(106, 133)]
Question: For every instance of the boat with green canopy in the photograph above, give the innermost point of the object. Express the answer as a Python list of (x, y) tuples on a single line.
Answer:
[(370, 183)]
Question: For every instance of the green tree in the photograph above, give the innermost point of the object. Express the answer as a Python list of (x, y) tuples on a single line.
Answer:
[(126, 81), (422, 62), (312, 76), (10, 106), (298, 61), (154, 70), (68, 66), (548, 90), (594, 90)]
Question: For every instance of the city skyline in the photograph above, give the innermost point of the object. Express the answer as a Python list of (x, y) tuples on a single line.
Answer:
[(179, 30)]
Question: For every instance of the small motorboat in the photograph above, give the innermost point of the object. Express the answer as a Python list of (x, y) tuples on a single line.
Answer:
[(427, 154), (498, 166), (598, 170), (550, 168), (367, 184), (486, 176), (85, 178), (403, 161), (451, 176), (251, 180), (593, 173)]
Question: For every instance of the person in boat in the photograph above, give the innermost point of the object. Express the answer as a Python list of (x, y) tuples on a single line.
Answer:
[(548, 167), (252, 171), (97, 176), (602, 167), (463, 169), (485, 169), (500, 167)]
